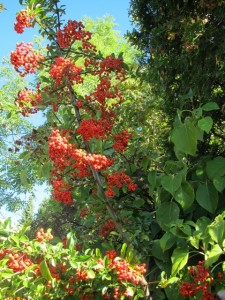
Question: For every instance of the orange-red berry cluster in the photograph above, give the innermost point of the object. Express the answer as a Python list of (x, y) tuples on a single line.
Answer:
[(24, 59), (27, 100), (106, 228), (121, 140), (19, 261), (65, 69), (119, 180), (73, 31), (201, 281), (41, 235), (24, 19)]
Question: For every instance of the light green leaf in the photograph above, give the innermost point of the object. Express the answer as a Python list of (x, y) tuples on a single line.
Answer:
[(205, 124), (207, 196), (214, 254), (45, 272), (185, 195), (184, 137), (179, 259), (171, 183), (210, 106), (217, 230), (91, 274)]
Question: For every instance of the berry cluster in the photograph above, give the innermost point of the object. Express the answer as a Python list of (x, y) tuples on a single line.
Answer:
[(41, 235), (104, 91), (18, 262), (65, 69), (24, 19), (201, 281), (24, 59), (92, 129), (81, 275), (73, 31), (121, 140), (125, 272), (62, 191), (106, 228), (110, 64), (111, 254), (119, 180), (27, 100), (64, 154)]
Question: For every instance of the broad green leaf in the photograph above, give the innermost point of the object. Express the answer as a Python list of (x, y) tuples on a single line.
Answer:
[(167, 241), (216, 167), (219, 183), (214, 254), (168, 212), (185, 195), (179, 259), (45, 272), (207, 196), (217, 230), (157, 251), (184, 137), (205, 124), (171, 183), (210, 106)]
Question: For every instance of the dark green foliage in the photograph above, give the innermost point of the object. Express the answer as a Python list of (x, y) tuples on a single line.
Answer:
[(183, 42)]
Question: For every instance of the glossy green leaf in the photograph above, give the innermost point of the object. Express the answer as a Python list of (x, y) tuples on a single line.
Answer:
[(179, 259), (213, 255)]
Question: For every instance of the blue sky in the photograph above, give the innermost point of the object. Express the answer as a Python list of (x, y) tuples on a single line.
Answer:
[(75, 10)]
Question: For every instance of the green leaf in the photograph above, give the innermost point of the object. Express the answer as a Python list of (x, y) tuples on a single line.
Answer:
[(171, 183), (184, 137), (214, 254), (216, 167), (210, 106), (219, 183), (205, 124), (138, 202), (45, 272), (217, 230), (185, 195), (167, 213), (91, 274), (179, 259), (123, 250), (207, 196), (167, 241)]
